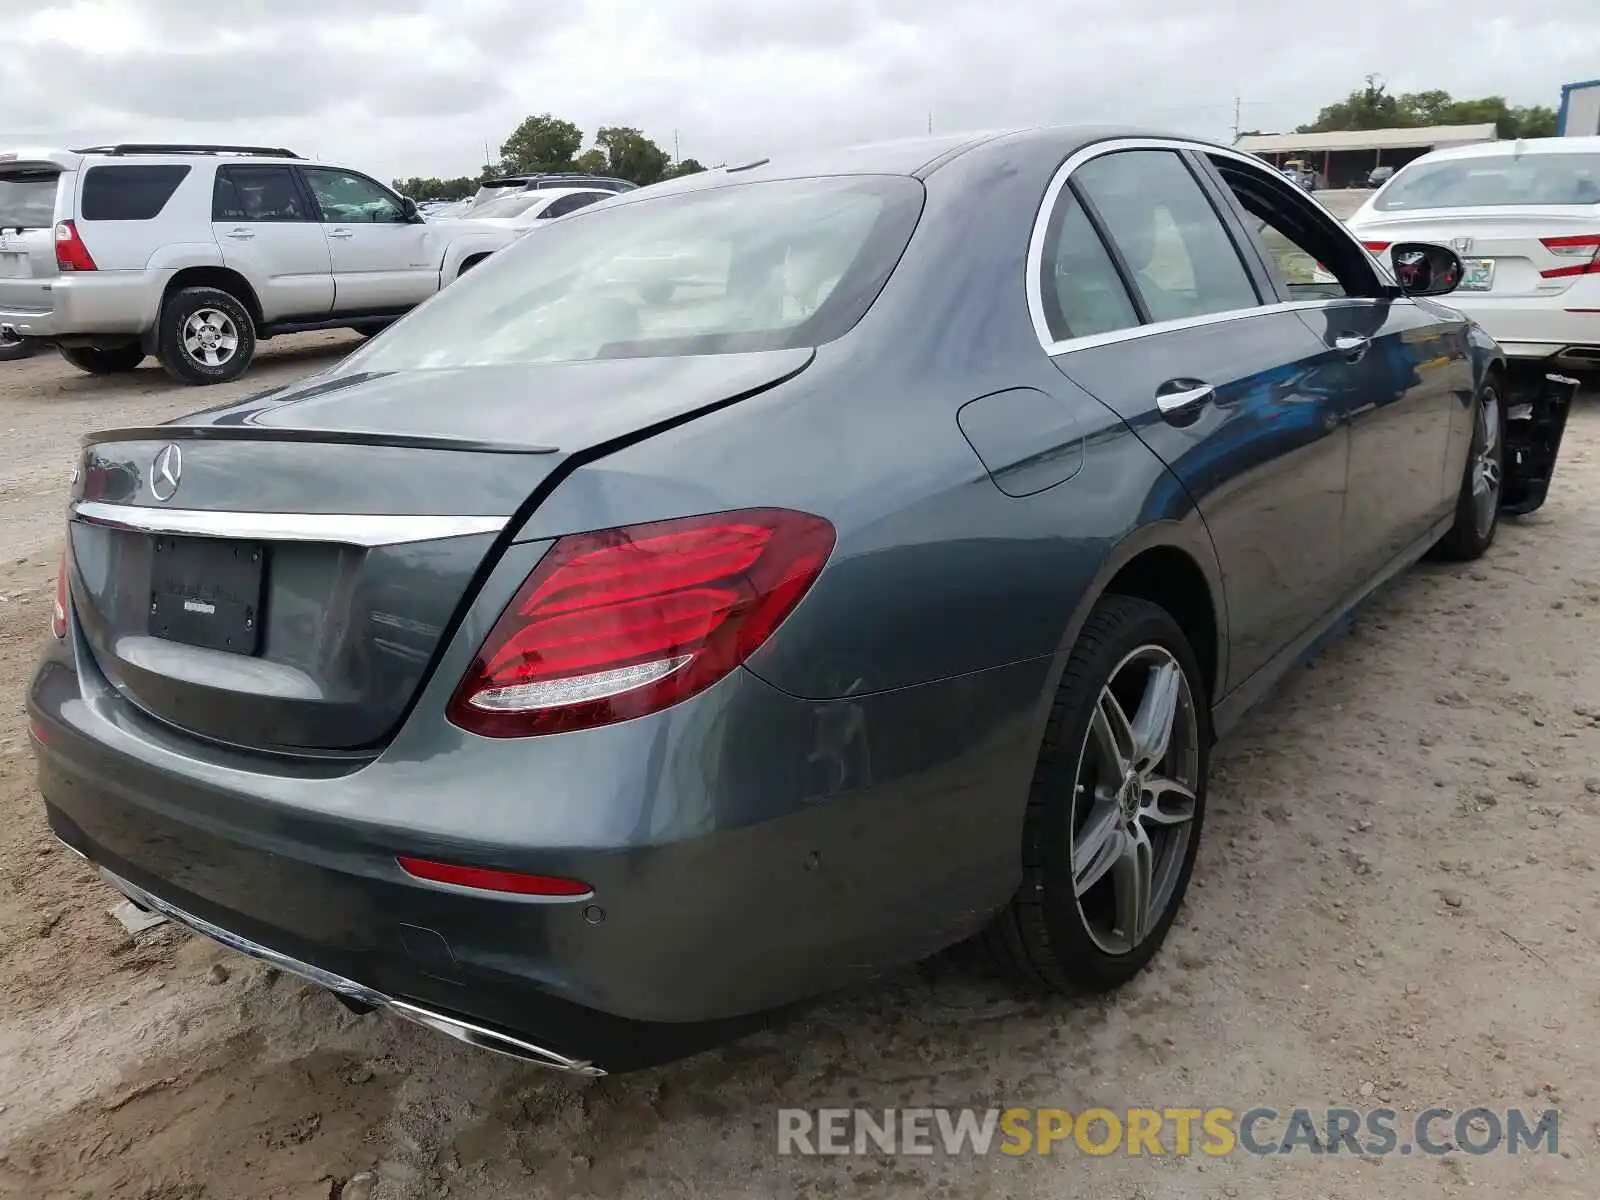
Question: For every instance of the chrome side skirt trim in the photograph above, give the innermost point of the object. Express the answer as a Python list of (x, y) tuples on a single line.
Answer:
[(349, 530), (453, 1027)]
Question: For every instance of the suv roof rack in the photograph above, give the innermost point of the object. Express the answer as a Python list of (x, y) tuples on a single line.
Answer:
[(187, 148), (538, 176)]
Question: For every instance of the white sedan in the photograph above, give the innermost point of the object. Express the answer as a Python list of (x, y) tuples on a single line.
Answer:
[(523, 211), (1524, 217)]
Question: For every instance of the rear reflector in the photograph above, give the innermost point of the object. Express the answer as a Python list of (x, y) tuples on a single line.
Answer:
[(485, 880), (1376, 247), (1581, 249), (625, 622), (71, 253), (58, 614)]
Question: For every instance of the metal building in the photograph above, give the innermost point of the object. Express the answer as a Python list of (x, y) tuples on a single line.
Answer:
[(1580, 109), (1343, 157)]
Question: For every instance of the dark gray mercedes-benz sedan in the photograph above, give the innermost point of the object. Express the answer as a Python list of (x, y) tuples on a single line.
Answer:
[(757, 581)]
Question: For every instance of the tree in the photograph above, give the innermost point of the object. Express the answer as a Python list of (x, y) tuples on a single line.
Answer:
[(1371, 107), (688, 166), (542, 143), (593, 162), (631, 155)]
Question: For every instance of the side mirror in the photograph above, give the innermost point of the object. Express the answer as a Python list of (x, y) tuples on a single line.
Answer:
[(408, 209), (1425, 269)]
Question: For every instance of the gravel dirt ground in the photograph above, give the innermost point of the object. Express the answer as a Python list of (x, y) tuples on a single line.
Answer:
[(1397, 902)]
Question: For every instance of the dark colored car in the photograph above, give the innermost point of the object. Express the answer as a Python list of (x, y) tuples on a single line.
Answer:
[(761, 581), (1379, 176)]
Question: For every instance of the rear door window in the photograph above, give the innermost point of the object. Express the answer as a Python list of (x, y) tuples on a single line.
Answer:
[(1175, 249), (28, 199), (1083, 293), (1556, 177), (258, 194), (129, 193)]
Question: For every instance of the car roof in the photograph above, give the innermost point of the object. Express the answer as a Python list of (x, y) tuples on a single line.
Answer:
[(1549, 145), (915, 156)]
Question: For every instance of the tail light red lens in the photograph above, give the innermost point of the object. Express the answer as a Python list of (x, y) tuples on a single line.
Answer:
[(1581, 250), (71, 253), (621, 623), (1376, 247), (58, 614)]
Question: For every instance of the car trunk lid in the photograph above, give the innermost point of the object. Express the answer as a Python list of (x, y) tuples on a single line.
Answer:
[(279, 573), (1509, 251)]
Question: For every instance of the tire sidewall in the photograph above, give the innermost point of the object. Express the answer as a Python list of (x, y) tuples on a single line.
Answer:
[(176, 359), (1087, 672)]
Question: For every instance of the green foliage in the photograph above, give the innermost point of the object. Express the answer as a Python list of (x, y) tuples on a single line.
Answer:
[(688, 166), (420, 189), (542, 143), (1372, 107), (631, 155)]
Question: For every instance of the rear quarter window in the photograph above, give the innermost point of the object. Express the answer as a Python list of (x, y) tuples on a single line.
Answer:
[(129, 193)]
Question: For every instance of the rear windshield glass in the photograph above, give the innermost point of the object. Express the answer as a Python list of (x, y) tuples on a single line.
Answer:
[(132, 193), (1500, 179), (755, 266), (508, 206), (28, 199)]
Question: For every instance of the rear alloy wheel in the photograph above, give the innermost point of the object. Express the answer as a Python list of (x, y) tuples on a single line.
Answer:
[(205, 336), (1118, 801), (109, 360), (1478, 505)]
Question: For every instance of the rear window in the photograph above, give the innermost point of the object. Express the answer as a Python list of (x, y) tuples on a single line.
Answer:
[(754, 266), (507, 206), (1534, 179), (28, 199), (131, 193)]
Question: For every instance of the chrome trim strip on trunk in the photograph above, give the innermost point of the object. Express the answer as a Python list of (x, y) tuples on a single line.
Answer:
[(346, 529), (452, 1027)]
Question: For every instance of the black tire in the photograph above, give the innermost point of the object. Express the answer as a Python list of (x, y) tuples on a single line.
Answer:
[(367, 331), (1473, 532), (1045, 936), (192, 367), (108, 360)]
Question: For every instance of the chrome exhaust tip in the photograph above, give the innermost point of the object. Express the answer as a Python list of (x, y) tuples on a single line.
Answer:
[(489, 1039)]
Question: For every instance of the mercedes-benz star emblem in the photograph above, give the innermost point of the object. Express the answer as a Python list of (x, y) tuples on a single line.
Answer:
[(165, 472)]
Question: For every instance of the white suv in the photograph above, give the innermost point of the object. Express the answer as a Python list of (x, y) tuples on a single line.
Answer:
[(193, 253)]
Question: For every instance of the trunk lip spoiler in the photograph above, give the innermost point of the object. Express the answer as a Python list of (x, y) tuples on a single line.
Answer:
[(349, 529), (349, 437)]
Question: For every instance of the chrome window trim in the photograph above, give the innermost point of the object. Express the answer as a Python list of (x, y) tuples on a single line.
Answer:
[(344, 529), (1041, 223)]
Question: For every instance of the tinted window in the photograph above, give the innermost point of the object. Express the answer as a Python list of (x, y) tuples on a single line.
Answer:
[(1549, 178), (755, 266), (131, 193), (565, 204), (346, 197), (1083, 294), (1175, 247), (28, 200), (257, 194)]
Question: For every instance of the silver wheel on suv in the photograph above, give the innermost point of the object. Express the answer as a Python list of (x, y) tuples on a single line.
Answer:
[(210, 337)]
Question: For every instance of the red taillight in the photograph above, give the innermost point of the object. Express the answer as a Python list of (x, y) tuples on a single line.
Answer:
[(484, 879), (624, 622), (58, 615), (71, 253), (1580, 249), (1376, 247)]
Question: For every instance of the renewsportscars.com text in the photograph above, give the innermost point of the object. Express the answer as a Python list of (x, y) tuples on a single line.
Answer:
[(1165, 1131)]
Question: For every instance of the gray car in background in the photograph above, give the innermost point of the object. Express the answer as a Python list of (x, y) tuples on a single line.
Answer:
[(755, 583)]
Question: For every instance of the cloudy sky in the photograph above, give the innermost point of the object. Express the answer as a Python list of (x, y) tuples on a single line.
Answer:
[(403, 87)]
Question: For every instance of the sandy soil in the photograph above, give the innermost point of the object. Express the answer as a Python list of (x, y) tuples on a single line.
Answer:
[(1397, 901)]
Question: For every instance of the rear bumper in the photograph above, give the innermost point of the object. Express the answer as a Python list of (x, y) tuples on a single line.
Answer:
[(849, 857), (1565, 328), (119, 302)]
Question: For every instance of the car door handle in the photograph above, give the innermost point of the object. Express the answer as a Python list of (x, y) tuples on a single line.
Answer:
[(1180, 400), (241, 235), (341, 233), (1352, 345)]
